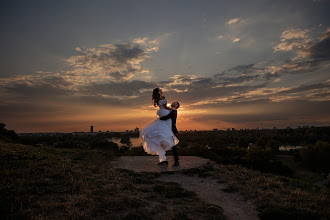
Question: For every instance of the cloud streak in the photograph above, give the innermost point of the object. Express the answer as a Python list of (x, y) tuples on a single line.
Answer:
[(233, 21)]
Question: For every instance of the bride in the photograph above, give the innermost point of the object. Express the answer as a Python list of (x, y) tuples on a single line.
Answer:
[(157, 137)]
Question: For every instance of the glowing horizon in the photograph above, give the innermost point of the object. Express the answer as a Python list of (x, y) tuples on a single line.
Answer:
[(230, 65)]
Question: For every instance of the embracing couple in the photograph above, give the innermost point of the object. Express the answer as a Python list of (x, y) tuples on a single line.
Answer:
[(159, 136)]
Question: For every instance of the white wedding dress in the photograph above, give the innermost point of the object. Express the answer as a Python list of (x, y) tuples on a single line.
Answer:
[(157, 137)]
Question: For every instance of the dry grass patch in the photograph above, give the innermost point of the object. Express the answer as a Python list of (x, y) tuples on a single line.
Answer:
[(55, 183), (276, 197)]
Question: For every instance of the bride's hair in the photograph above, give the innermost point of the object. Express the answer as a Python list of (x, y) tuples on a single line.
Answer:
[(155, 96)]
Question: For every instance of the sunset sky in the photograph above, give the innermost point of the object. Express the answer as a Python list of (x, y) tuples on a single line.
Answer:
[(67, 65)]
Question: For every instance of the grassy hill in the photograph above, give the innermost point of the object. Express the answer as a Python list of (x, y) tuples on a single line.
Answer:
[(48, 182), (276, 197), (56, 183)]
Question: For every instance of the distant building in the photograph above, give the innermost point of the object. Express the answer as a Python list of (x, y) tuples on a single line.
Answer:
[(92, 129), (233, 129), (274, 128), (78, 133), (136, 130), (289, 147), (215, 129)]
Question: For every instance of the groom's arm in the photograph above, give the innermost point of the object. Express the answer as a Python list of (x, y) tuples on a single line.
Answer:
[(167, 116)]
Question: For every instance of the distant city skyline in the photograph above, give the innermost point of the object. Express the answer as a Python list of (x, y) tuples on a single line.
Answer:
[(137, 130), (66, 65)]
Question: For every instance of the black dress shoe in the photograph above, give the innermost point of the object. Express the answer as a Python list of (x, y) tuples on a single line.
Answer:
[(163, 162), (176, 163)]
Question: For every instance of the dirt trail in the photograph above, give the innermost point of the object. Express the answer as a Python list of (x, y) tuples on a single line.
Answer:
[(208, 189), (150, 163)]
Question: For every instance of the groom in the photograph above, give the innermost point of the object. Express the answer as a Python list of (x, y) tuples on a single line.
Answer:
[(173, 115)]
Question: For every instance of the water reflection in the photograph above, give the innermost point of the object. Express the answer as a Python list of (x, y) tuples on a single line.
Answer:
[(135, 142)]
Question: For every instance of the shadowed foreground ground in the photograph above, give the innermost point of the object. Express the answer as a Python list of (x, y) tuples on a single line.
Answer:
[(242, 193), (207, 189), (72, 183), (68, 183)]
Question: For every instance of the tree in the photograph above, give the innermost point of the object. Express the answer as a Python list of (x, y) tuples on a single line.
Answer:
[(261, 142), (272, 144), (7, 135), (243, 142), (317, 157)]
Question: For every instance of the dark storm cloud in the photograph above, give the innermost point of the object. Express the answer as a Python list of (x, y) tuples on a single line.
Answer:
[(125, 52), (28, 107), (194, 89), (118, 88), (48, 86), (321, 49), (109, 62), (120, 53), (216, 80), (306, 88), (320, 95), (239, 79), (311, 55), (269, 111), (271, 75), (299, 67), (243, 69), (199, 94)]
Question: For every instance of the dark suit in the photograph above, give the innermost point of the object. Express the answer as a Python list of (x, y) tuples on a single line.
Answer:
[(173, 115)]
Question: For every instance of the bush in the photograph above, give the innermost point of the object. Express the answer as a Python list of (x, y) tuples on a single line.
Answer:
[(275, 213), (7, 135), (316, 157)]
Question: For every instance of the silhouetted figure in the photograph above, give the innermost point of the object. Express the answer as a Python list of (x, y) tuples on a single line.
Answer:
[(157, 137), (173, 115)]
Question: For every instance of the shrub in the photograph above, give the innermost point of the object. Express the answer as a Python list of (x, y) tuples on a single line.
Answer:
[(316, 157)]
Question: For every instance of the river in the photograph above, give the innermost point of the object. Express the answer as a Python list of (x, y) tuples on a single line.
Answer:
[(136, 142)]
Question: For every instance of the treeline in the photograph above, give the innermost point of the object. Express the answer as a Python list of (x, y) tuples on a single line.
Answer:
[(254, 149), (99, 141), (7, 135), (316, 157), (264, 138), (257, 149)]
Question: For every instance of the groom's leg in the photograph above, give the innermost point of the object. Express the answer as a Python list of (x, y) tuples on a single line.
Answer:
[(175, 153)]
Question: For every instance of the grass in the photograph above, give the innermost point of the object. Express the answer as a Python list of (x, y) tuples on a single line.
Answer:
[(202, 172), (276, 197), (57, 183), (300, 172)]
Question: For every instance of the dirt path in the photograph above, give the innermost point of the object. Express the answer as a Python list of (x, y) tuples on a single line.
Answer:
[(150, 163), (208, 189)]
